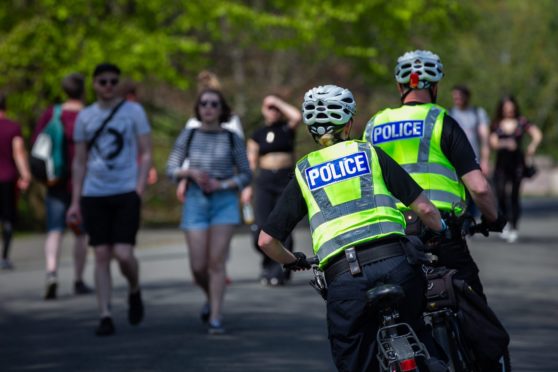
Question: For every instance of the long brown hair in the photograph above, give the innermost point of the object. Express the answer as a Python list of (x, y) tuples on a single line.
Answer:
[(499, 114)]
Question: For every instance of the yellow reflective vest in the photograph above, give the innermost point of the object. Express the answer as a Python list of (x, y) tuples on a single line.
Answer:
[(347, 199), (411, 135)]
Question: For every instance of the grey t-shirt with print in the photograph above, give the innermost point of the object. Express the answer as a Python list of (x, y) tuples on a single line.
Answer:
[(112, 165), (469, 120)]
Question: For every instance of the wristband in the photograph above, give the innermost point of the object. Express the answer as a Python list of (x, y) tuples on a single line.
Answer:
[(444, 225)]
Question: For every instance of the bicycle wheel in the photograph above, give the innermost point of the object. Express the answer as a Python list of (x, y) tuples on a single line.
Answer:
[(448, 338)]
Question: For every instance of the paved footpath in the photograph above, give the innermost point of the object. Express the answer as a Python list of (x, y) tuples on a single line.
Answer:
[(269, 329)]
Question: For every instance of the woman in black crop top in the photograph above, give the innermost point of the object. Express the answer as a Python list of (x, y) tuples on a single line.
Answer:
[(271, 153), (508, 130)]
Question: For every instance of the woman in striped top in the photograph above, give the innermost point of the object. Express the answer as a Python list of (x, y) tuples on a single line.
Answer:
[(214, 162)]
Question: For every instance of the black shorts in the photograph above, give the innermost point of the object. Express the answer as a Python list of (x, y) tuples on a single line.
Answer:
[(8, 202), (111, 219)]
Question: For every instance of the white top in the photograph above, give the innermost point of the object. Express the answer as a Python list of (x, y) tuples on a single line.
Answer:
[(234, 125)]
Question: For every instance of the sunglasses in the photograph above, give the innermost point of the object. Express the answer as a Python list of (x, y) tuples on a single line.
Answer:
[(213, 104), (103, 82)]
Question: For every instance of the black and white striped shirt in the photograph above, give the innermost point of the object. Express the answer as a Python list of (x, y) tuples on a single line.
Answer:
[(212, 153)]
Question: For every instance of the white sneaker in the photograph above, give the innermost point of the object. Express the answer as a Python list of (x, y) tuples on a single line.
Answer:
[(505, 232), (512, 236)]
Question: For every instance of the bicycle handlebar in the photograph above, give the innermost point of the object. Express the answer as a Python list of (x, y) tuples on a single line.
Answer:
[(313, 261), (471, 227)]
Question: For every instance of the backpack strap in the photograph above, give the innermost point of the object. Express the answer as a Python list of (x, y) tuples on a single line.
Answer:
[(57, 113), (103, 125), (231, 139), (189, 142)]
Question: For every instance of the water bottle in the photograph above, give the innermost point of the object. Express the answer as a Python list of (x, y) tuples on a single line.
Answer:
[(248, 213)]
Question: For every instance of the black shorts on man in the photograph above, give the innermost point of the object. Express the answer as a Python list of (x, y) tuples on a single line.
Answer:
[(111, 219)]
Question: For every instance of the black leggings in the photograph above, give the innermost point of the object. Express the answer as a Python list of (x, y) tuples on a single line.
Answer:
[(7, 214), (268, 187), (508, 186)]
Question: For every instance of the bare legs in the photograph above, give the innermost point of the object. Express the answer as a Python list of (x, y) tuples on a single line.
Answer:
[(208, 251), (52, 253), (80, 256), (129, 267), (103, 280), (52, 250)]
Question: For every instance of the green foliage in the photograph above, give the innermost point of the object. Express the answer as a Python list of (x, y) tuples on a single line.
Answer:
[(44, 40), (509, 48)]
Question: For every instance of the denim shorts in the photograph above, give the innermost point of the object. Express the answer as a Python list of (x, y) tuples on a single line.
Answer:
[(56, 207), (203, 210)]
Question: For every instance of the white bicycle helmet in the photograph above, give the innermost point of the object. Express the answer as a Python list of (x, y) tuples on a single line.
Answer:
[(419, 69), (327, 108)]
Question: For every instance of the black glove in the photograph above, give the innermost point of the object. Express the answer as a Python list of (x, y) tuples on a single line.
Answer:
[(432, 238), (497, 225), (299, 264)]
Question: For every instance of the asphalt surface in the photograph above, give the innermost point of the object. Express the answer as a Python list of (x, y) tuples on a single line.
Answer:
[(268, 329)]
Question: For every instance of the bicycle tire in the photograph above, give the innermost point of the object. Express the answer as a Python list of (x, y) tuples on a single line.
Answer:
[(448, 337), (506, 361)]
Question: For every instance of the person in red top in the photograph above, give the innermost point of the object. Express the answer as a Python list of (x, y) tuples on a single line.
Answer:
[(14, 173), (59, 196)]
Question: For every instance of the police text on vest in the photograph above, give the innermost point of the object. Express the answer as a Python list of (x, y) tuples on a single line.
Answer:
[(397, 130), (337, 170)]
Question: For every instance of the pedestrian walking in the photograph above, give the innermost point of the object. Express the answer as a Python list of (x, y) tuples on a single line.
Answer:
[(474, 122), (14, 175), (271, 156), (108, 183), (59, 195), (214, 162), (509, 130)]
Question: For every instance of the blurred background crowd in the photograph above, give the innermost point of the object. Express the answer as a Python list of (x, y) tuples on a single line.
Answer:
[(259, 48)]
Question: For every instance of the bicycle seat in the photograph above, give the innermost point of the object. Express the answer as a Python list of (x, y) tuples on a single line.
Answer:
[(385, 294)]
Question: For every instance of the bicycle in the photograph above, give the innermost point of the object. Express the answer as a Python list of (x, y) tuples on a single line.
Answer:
[(399, 349), (442, 314)]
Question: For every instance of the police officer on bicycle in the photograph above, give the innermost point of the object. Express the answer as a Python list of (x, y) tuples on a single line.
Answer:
[(430, 145), (347, 189)]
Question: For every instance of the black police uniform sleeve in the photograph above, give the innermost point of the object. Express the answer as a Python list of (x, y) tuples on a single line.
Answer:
[(287, 213), (397, 180), (457, 147)]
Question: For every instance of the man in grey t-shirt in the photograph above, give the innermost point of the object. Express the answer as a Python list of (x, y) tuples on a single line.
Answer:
[(112, 158), (474, 122)]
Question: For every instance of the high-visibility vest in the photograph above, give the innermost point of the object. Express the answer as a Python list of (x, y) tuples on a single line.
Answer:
[(347, 199), (411, 135)]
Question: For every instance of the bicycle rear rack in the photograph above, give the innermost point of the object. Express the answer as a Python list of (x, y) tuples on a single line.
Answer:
[(397, 343)]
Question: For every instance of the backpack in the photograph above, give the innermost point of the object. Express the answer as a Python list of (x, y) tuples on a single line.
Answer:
[(481, 328), (47, 160)]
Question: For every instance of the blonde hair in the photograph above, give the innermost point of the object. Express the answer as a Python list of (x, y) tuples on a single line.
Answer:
[(326, 140), (208, 80)]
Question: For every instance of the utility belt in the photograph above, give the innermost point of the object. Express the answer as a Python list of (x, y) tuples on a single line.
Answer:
[(353, 258)]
